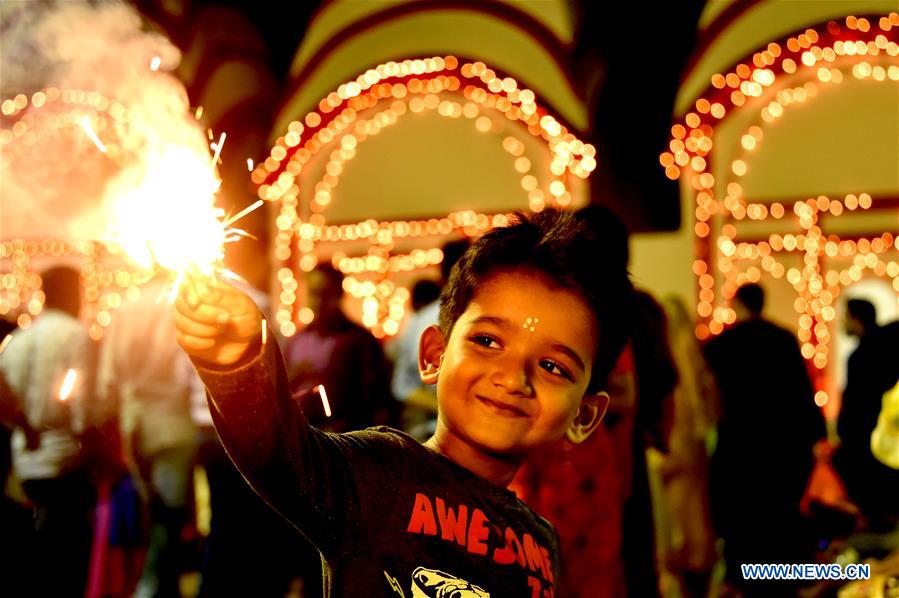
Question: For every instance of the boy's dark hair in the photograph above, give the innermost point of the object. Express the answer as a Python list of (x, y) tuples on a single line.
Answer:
[(863, 311), (452, 251), (564, 249), (752, 296)]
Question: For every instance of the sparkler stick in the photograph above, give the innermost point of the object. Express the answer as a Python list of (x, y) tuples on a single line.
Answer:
[(68, 384), (6, 340), (320, 389), (91, 134)]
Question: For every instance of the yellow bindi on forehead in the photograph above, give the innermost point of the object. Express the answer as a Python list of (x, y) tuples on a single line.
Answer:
[(530, 324)]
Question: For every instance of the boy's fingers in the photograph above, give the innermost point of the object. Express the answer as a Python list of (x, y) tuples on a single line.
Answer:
[(205, 313), (192, 327), (189, 296), (193, 343)]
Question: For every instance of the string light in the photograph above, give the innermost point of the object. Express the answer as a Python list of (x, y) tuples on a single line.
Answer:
[(725, 258), (360, 109)]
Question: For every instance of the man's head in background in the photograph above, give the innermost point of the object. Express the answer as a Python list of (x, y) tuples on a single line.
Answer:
[(861, 317), (62, 289), (424, 292), (750, 301), (324, 293)]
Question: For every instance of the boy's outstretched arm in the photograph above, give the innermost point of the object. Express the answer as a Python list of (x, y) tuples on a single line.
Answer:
[(294, 467)]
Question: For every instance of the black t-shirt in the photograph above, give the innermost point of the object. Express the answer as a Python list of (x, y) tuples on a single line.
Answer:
[(390, 516)]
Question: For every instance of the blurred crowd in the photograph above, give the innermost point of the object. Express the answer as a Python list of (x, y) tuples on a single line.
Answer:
[(709, 456)]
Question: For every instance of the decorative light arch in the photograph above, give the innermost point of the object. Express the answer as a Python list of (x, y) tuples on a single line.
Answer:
[(342, 123), (57, 111), (870, 45)]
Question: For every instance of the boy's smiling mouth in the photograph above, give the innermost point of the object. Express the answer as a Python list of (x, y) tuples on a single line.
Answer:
[(502, 408)]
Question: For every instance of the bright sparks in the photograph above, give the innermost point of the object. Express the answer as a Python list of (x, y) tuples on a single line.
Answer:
[(218, 149), (6, 340), (320, 389), (155, 63), (170, 218), (244, 212), (91, 134), (68, 385)]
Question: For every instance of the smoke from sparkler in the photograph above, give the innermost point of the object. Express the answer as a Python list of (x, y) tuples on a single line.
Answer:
[(58, 183)]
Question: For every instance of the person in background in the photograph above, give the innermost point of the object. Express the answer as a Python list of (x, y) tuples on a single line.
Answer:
[(647, 423), (327, 350), (685, 537), (769, 425), (872, 370), (47, 454), (419, 412), (144, 371)]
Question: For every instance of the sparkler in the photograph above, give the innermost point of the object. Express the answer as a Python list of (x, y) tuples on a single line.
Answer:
[(320, 389), (68, 384), (169, 219)]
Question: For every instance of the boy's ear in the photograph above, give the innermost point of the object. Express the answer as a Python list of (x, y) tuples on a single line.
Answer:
[(590, 413), (430, 354)]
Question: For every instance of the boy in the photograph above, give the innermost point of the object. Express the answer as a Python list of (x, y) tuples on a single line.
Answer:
[(530, 325)]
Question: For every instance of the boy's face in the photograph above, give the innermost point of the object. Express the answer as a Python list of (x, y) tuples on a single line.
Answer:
[(512, 375)]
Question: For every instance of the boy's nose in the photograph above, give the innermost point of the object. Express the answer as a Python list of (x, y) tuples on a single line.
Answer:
[(513, 376)]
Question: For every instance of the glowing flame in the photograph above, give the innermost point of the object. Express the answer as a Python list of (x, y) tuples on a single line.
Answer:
[(170, 219), (250, 164), (68, 384), (320, 389)]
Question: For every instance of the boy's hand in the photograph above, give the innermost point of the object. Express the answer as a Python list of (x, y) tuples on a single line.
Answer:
[(215, 323)]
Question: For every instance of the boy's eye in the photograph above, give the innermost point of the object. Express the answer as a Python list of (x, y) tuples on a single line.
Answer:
[(485, 341), (554, 368)]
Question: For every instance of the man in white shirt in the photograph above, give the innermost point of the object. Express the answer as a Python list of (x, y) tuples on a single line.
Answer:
[(47, 455)]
